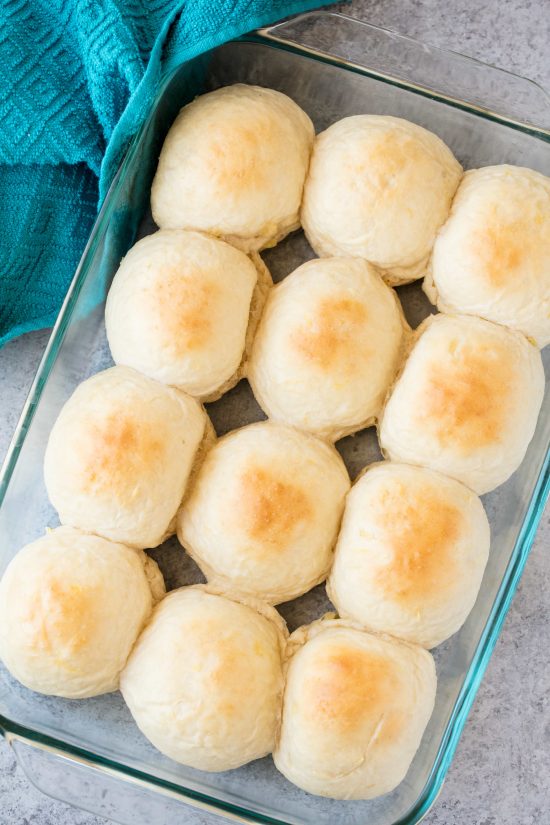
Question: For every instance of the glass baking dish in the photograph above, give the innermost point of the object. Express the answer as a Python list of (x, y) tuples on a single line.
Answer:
[(332, 66)]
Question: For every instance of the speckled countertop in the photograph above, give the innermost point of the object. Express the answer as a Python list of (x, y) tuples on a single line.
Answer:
[(501, 771)]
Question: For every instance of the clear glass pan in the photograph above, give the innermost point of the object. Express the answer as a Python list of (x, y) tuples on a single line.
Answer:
[(486, 116)]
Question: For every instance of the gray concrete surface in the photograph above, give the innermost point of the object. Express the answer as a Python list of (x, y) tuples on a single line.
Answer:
[(501, 772)]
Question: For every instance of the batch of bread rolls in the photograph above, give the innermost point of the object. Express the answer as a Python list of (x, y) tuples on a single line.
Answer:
[(267, 512)]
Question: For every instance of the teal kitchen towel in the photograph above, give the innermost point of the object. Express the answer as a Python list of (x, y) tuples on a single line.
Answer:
[(78, 78)]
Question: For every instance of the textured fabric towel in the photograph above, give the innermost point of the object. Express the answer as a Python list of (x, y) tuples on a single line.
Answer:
[(78, 76)]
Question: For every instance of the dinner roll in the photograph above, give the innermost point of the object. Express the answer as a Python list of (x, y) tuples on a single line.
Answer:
[(327, 347), (354, 711), (379, 188), (411, 553), (492, 257), (71, 608), (264, 511), (119, 456), (204, 681), (233, 164), (179, 309), (467, 401)]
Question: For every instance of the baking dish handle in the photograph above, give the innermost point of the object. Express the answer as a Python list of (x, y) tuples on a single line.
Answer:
[(104, 791), (452, 77)]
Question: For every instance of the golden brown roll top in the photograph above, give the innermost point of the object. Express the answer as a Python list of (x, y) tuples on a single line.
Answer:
[(492, 256), (264, 511), (71, 608), (204, 681), (354, 711), (119, 456), (327, 348), (410, 554), (181, 310), (379, 188), (233, 164), (467, 401)]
